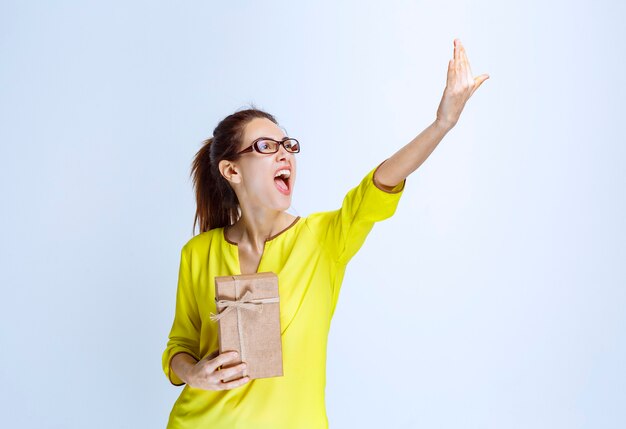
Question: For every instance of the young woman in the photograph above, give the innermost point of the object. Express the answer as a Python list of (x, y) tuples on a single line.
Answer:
[(244, 177)]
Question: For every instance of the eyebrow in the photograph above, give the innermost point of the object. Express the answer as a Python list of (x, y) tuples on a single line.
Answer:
[(271, 138)]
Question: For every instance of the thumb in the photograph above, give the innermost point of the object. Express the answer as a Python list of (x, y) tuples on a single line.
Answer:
[(479, 81)]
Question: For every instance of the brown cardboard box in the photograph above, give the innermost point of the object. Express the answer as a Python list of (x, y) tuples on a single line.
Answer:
[(249, 322)]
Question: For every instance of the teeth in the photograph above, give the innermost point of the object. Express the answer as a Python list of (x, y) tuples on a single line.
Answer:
[(285, 173)]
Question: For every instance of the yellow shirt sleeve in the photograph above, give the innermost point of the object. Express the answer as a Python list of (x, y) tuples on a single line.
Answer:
[(365, 204), (185, 333)]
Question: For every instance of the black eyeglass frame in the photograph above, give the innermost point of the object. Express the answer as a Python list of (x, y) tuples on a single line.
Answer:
[(255, 146)]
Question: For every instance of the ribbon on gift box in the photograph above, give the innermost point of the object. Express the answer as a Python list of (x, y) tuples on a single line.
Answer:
[(237, 305), (243, 302)]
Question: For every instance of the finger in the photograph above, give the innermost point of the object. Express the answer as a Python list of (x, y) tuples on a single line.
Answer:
[(462, 69), (471, 83), (450, 78), (465, 69), (458, 68), (229, 372), (462, 78), (466, 61), (457, 55), (223, 359), (234, 383)]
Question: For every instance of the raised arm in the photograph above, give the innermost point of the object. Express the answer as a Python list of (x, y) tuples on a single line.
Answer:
[(460, 86)]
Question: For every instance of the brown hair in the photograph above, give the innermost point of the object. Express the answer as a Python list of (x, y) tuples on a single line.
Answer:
[(216, 202)]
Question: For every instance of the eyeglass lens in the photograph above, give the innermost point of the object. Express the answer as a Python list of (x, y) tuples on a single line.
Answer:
[(269, 146)]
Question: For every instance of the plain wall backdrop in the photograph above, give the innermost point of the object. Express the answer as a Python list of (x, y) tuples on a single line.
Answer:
[(493, 298)]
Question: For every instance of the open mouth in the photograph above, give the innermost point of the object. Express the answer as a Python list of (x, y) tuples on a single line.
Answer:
[(281, 180)]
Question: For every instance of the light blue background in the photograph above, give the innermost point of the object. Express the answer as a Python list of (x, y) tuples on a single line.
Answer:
[(494, 298)]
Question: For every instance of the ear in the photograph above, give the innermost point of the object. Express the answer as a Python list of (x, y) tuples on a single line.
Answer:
[(229, 171)]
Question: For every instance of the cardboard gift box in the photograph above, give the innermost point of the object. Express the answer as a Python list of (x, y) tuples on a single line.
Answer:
[(249, 322)]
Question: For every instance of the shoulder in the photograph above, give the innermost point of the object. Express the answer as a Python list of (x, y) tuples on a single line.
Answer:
[(318, 219), (318, 224), (202, 242)]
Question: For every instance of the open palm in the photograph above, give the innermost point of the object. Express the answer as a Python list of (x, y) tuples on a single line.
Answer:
[(460, 86)]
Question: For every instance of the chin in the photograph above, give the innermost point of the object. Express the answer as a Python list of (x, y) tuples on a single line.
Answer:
[(285, 207)]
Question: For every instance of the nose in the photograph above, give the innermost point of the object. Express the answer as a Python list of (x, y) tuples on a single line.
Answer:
[(282, 152)]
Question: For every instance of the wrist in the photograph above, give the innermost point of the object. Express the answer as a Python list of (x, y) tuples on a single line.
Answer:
[(443, 125), (182, 364)]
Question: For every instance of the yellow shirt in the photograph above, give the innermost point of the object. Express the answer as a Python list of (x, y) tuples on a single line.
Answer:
[(310, 258)]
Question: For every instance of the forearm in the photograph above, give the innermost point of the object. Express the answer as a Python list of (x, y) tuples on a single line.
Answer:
[(181, 364), (405, 161)]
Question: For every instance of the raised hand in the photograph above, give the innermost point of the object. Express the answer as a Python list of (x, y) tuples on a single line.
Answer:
[(460, 86)]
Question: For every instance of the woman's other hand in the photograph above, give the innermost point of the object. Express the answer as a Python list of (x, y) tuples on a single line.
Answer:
[(460, 86), (204, 374)]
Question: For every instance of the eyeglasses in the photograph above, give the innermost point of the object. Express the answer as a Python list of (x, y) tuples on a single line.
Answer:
[(266, 145)]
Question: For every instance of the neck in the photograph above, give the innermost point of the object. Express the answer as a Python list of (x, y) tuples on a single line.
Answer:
[(253, 229)]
